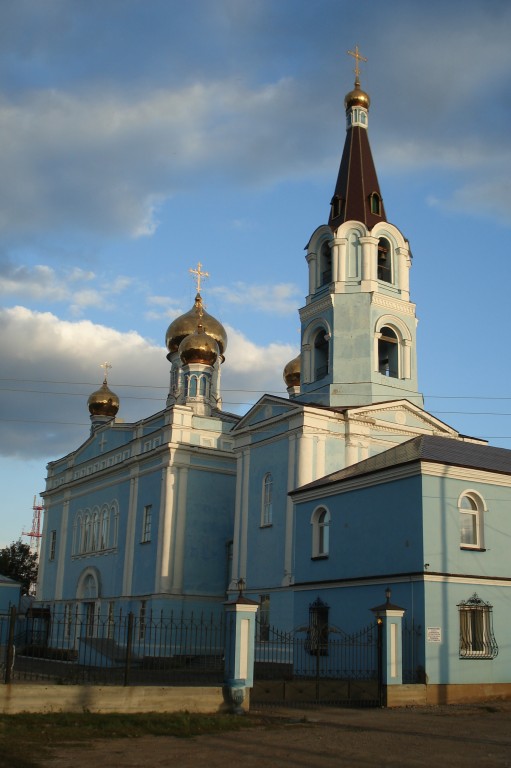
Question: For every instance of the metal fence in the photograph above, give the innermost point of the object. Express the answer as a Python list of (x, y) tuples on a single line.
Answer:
[(73, 646), (309, 653)]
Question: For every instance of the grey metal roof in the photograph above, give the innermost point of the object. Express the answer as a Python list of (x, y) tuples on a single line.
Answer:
[(440, 450)]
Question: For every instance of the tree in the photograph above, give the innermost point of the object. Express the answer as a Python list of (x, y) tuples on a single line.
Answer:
[(18, 562)]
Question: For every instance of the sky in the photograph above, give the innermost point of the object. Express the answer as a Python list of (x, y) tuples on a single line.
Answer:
[(139, 137)]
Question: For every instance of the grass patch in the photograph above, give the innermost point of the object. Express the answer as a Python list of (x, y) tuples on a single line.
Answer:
[(24, 735)]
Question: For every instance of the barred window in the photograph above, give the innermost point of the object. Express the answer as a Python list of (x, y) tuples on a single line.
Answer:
[(264, 618), (317, 632), (476, 629)]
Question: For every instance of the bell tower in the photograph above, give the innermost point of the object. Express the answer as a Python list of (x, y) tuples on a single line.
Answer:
[(358, 327)]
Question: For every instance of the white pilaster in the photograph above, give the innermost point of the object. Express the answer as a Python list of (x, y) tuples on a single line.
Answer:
[(61, 554), (129, 546), (179, 539)]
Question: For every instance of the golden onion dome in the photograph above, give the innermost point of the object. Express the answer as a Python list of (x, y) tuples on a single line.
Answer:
[(186, 324), (357, 97), (199, 347), (103, 402), (292, 372)]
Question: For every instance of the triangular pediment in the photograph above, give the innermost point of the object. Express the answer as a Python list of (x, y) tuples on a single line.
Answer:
[(401, 416), (268, 407)]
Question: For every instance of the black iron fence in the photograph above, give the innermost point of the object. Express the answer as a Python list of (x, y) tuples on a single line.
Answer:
[(74, 646), (310, 653)]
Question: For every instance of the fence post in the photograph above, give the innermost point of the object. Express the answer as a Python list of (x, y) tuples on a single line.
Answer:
[(390, 632), (239, 649), (9, 658), (129, 643)]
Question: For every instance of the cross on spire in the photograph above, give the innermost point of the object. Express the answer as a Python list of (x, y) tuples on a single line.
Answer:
[(358, 57), (199, 274), (106, 367)]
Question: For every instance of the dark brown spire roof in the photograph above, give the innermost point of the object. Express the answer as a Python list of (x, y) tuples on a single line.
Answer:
[(357, 181)]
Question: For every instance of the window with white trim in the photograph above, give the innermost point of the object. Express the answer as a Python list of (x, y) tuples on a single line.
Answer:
[(146, 523), (471, 509), (388, 353), (321, 354), (267, 505), (476, 629), (384, 265), (53, 544), (320, 532)]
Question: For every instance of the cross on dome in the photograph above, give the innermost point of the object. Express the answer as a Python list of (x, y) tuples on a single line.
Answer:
[(106, 367), (358, 57), (198, 275)]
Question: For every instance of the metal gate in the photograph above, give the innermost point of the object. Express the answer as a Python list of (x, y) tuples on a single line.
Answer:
[(318, 664)]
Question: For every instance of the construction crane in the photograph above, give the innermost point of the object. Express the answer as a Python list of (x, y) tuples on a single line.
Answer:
[(35, 533)]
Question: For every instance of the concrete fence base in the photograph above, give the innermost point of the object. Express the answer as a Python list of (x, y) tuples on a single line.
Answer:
[(421, 695), (102, 699)]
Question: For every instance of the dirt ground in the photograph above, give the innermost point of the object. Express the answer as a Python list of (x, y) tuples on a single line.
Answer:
[(436, 737)]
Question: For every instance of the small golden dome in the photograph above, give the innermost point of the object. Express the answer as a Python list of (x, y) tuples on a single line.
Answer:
[(103, 402), (357, 97), (186, 324), (292, 372), (199, 347)]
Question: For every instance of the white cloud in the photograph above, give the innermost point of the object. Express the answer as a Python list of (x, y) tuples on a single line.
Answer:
[(44, 284), (280, 299), (50, 366)]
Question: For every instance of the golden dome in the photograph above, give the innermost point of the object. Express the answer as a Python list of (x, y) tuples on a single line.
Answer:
[(103, 402), (186, 324), (292, 372), (199, 347), (357, 97)]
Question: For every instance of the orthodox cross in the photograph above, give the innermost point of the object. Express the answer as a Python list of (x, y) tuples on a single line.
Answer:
[(106, 367), (358, 57), (199, 274), (102, 443)]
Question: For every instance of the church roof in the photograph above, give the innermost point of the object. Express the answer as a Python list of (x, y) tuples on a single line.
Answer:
[(430, 448), (357, 180)]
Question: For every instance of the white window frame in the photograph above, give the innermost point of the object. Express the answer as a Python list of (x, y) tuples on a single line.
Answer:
[(267, 501), (476, 517), (320, 521), (146, 524), (53, 544)]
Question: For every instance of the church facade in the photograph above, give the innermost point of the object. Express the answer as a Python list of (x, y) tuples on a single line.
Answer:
[(344, 489)]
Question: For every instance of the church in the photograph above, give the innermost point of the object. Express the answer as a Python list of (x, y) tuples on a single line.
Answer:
[(343, 491)]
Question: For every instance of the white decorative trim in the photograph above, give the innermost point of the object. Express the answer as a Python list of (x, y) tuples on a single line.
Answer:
[(314, 309), (396, 305)]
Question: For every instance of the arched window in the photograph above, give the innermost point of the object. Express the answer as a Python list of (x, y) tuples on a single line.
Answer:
[(375, 204), (320, 532), (471, 508), (94, 532), (325, 265), (77, 535), (86, 536), (384, 259), (321, 354), (202, 385), (267, 505), (337, 206), (192, 386), (388, 353), (105, 518)]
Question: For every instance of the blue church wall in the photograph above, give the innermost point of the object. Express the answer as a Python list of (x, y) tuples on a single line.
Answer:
[(209, 523), (145, 543), (443, 662), (373, 531), (443, 548), (267, 538)]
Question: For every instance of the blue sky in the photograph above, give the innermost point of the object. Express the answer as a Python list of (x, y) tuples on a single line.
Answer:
[(138, 137)]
